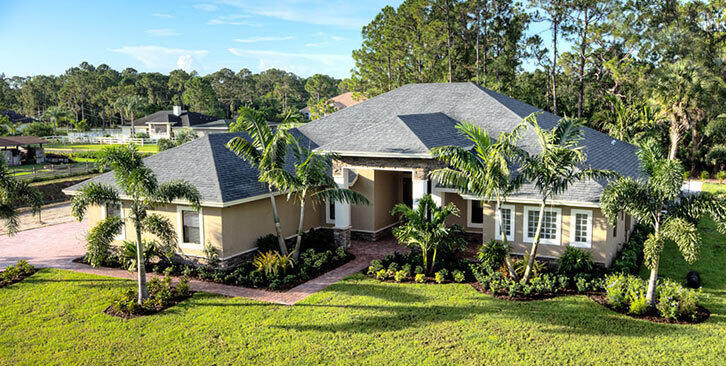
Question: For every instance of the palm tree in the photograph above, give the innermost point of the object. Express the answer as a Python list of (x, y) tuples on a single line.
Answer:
[(265, 151), (425, 227), (311, 180), (13, 194), (139, 186), (56, 114), (482, 171), (128, 105), (559, 165), (656, 202)]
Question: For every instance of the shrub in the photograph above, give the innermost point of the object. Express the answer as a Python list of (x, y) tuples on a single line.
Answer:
[(419, 270), (575, 261), (382, 274), (38, 129), (492, 254), (141, 135), (420, 278), (674, 301), (161, 295), (400, 276), (630, 256), (272, 263), (393, 266), (267, 243), (376, 265), (406, 268), (318, 239), (440, 276), (459, 276), (705, 175), (16, 272), (721, 176), (513, 288), (520, 265), (686, 175), (616, 290)]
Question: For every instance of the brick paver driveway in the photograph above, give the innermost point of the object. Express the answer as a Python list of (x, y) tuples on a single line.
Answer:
[(50, 246)]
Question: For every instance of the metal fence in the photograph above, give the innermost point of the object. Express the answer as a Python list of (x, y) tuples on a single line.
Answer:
[(101, 140), (51, 171)]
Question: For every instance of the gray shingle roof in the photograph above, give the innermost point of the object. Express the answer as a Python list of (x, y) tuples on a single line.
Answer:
[(373, 122), (185, 119), (409, 120)]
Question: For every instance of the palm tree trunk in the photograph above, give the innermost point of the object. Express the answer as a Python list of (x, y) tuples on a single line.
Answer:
[(141, 272), (653, 280), (535, 244), (298, 241), (505, 241), (278, 227)]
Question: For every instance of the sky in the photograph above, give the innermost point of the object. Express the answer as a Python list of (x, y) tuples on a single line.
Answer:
[(304, 37)]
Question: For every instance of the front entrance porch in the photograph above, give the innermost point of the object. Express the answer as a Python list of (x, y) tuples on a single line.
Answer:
[(385, 182)]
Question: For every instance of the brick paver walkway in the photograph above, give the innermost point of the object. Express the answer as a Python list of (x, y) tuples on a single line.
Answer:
[(56, 246)]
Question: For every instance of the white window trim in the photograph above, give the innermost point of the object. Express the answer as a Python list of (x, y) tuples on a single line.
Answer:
[(558, 224), (468, 216), (180, 228), (122, 235), (497, 230), (328, 220), (573, 219)]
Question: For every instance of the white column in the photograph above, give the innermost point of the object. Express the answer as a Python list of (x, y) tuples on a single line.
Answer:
[(420, 188), (342, 209), (436, 195)]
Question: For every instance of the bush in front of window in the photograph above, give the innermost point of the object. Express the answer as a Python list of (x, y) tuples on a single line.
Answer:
[(575, 261)]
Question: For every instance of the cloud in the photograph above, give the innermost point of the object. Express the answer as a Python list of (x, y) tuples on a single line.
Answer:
[(339, 13), (164, 32), (205, 7), (158, 57), (263, 39), (185, 62), (301, 63), (317, 44), (233, 20), (162, 15)]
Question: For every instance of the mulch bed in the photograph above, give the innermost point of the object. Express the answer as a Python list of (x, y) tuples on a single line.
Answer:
[(16, 280), (568, 292), (177, 299), (702, 314)]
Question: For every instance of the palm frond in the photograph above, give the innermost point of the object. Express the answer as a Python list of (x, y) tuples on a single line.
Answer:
[(93, 194), (341, 195), (99, 238), (162, 228), (685, 235), (178, 190), (245, 150)]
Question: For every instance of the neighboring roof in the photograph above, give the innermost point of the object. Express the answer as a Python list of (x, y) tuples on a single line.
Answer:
[(366, 128), (340, 101), (17, 117), (21, 140), (185, 119)]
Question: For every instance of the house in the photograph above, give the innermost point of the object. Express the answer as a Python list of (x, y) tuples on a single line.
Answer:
[(15, 117), (339, 102), (18, 150), (162, 124), (384, 146)]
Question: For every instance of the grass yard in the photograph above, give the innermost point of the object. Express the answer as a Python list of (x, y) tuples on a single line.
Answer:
[(55, 317), (714, 187), (93, 147)]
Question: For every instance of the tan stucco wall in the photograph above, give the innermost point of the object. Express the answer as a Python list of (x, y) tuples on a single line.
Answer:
[(604, 245), (362, 217), (243, 224), (232, 230)]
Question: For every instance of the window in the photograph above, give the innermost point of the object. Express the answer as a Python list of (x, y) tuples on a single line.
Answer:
[(116, 211), (191, 226), (581, 228), (550, 233), (507, 221), (159, 129), (330, 212), (475, 216)]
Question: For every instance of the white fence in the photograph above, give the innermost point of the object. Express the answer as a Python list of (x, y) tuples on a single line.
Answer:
[(101, 140)]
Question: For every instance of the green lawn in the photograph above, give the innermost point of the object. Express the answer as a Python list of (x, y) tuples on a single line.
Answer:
[(55, 317), (94, 147), (713, 187)]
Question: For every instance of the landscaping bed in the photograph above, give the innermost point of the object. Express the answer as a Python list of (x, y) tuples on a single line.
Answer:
[(16, 273), (700, 315), (162, 295)]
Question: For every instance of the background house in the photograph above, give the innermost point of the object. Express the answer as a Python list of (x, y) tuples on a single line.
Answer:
[(162, 124), (339, 101)]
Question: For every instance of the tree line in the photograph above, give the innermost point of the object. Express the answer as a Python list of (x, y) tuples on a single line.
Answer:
[(633, 69), (104, 97)]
